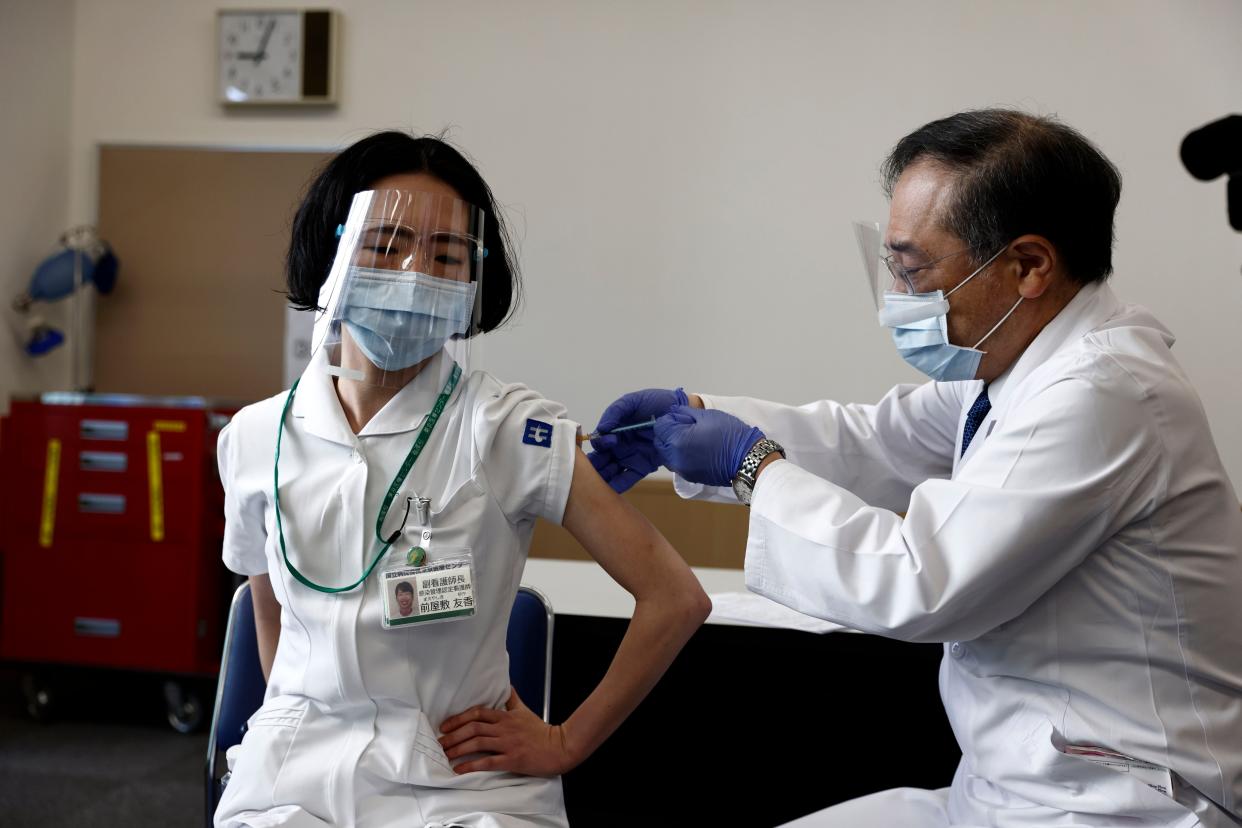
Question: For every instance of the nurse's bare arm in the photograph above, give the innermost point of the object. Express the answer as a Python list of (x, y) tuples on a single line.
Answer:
[(266, 620), (669, 606)]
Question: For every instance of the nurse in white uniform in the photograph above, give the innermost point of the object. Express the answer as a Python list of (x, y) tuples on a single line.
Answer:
[(1052, 506), (383, 508)]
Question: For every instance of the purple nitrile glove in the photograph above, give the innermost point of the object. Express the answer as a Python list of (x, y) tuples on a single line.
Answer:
[(624, 459), (704, 446)]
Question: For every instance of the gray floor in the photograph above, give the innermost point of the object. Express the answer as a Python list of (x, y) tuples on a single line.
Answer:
[(108, 758)]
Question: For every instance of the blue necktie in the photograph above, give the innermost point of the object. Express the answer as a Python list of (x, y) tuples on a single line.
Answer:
[(974, 417)]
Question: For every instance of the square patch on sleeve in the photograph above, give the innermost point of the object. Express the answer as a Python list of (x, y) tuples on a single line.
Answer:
[(537, 434)]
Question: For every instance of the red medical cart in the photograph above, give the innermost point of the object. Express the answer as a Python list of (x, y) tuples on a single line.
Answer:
[(111, 520)]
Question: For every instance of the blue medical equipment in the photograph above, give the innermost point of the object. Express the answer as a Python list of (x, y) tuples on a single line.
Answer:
[(82, 259)]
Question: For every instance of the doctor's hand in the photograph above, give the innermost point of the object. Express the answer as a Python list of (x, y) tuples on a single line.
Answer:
[(624, 459), (704, 446), (514, 739)]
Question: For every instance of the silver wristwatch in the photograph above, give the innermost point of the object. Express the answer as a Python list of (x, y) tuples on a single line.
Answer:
[(744, 482)]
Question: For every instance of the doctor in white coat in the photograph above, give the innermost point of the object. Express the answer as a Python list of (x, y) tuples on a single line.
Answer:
[(1051, 505)]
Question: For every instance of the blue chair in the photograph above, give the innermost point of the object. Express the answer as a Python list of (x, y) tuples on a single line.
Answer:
[(241, 686), (529, 642), (239, 691)]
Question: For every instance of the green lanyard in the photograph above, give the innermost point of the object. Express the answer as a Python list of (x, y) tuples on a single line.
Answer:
[(415, 450)]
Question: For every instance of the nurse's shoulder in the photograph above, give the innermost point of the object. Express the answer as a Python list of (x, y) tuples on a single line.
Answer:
[(524, 446), (249, 439), (496, 403), (244, 452)]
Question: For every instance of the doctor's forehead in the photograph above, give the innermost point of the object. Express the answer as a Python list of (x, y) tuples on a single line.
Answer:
[(920, 197)]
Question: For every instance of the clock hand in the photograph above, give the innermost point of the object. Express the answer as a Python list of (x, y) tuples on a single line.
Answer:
[(267, 35)]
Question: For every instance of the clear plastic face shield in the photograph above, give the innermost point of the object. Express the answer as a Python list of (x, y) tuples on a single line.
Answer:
[(870, 238), (889, 277), (896, 278), (918, 315), (404, 291)]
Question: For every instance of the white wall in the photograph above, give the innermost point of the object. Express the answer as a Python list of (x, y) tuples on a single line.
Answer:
[(36, 38), (679, 171)]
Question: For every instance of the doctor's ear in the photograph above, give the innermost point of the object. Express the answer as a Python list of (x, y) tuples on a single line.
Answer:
[(1038, 264)]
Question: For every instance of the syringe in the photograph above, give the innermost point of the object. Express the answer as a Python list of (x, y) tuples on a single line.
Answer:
[(619, 429)]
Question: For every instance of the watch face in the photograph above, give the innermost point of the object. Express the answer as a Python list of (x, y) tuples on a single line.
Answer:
[(260, 56)]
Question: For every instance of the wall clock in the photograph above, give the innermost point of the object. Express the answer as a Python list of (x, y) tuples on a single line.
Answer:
[(276, 56)]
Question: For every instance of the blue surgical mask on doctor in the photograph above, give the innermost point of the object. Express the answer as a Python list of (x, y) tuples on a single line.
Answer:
[(400, 318), (920, 326)]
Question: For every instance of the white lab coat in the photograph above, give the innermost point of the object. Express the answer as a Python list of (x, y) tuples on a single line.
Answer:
[(1082, 564), (347, 733)]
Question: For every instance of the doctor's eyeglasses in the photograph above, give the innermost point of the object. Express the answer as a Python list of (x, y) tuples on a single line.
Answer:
[(903, 277)]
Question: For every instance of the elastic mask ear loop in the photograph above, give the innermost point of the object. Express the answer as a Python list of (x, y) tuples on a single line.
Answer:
[(998, 324), (1003, 318), (976, 273)]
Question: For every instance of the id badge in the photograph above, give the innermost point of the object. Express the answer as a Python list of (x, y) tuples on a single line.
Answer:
[(1153, 776), (439, 591)]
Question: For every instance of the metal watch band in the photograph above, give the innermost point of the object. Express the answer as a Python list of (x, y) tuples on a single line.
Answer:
[(744, 482)]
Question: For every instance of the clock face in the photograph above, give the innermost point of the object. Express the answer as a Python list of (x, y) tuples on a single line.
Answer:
[(260, 56)]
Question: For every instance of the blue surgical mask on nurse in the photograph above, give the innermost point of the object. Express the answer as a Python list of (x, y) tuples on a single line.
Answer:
[(399, 319)]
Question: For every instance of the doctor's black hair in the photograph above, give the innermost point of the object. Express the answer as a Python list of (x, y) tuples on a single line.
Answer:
[(1019, 173), (325, 206)]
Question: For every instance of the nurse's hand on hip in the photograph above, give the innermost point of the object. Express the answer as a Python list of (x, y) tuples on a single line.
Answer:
[(513, 739), (703, 446)]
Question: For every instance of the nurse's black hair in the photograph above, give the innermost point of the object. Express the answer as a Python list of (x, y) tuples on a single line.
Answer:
[(1019, 173), (326, 206), (404, 586)]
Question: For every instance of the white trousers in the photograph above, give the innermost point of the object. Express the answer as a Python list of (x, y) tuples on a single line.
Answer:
[(906, 807), (917, 808)]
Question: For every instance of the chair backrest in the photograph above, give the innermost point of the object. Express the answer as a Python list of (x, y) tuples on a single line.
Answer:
[(241, 687), (239, 691), (529, 642)]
